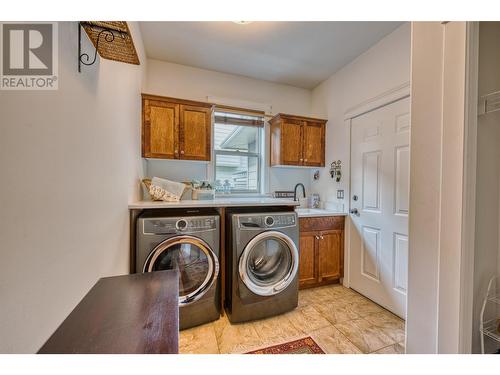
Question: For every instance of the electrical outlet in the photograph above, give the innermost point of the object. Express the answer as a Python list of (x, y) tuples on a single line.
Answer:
[(340, 194)]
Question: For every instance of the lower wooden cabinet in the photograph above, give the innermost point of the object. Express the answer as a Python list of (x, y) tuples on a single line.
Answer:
[(321, 249), (329, 254), (307, 260)]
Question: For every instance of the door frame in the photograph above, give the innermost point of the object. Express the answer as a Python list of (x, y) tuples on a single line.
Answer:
[(469, 188), (399, 92)]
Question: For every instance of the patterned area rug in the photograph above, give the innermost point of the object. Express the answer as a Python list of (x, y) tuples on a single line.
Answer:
[(302, 346)]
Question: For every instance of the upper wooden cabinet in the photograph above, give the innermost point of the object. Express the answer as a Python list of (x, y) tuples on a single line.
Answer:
[(176, 128), (297, 140), (160, 128)]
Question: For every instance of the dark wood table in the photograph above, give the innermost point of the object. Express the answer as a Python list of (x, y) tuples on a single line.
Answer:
[(136, 313)]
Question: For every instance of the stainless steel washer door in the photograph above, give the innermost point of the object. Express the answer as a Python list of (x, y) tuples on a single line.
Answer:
[(269, 263), (196, 263)]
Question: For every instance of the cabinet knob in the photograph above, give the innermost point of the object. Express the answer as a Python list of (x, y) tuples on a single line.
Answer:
[(317, 237), (301, 159), (305, 159), (176, 152), (182, 152), (322, 237)]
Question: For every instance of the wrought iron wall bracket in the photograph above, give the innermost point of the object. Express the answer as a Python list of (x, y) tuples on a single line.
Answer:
[(108, 36)]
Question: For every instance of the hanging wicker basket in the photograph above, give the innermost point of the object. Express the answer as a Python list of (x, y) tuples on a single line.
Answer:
[(121, 48)]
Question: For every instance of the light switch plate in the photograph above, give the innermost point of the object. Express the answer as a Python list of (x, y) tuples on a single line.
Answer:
[(340, 194)]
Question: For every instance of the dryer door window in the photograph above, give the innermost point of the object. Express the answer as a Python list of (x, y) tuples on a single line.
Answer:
[(196, 263), (269, 263)]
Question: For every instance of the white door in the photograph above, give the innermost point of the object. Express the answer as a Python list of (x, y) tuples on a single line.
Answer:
[(380, 163)]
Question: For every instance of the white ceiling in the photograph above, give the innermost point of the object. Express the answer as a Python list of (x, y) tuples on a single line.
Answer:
[(300, 54)]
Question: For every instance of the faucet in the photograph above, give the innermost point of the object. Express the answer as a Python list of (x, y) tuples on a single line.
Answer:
[(295, 191)]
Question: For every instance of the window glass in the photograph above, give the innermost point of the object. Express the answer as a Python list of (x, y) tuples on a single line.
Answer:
[(236, 138), (237, 173)]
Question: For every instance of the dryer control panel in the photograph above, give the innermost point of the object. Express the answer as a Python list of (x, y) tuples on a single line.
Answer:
[(271, 220), (172, 225)]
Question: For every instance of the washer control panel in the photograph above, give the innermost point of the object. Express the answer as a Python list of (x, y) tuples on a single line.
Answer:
[(267, 221), (172, 225)]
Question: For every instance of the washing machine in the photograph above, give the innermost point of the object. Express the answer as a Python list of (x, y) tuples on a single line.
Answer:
[(187, 241), (262, 265)]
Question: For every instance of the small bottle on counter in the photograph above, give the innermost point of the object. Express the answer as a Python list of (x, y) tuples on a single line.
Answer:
[(315, 200)]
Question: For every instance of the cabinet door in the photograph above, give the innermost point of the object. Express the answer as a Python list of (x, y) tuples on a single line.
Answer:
[(291, 142), (330, 247), (160, 129), (195, 132), (307, 259), (314, 144)]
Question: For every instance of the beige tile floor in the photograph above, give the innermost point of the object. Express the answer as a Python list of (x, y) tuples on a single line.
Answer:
[(338, 319)]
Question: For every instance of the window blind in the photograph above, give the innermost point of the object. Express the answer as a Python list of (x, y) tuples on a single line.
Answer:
[(239, 117)]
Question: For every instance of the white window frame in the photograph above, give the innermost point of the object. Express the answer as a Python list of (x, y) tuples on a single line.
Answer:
[(260, 154)]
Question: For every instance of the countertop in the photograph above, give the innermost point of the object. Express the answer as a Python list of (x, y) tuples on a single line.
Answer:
[(237, 202), (128, 314), (317, 212), (217, 202)]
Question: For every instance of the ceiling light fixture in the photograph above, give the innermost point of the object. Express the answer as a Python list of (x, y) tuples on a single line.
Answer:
[(242, 22)]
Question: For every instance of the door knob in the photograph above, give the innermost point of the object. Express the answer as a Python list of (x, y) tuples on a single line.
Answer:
[(354, 211)]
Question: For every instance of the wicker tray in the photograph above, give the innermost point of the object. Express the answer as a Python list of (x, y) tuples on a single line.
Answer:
[(120, 49), (185, 195)]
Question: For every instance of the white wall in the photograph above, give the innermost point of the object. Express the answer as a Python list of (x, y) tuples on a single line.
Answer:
[(487, 249), (70, 163), (436, 163), (435, 283), (383, 67), (180, 81)]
